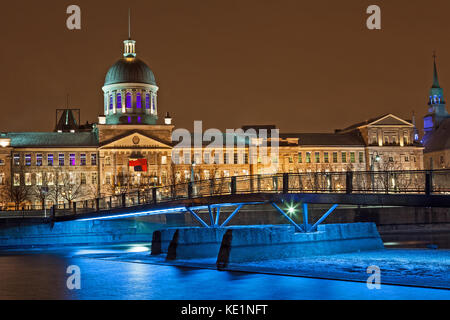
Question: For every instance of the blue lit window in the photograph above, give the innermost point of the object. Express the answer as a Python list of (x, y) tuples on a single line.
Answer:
[(129, 119), (72, 159), (138, 101), (147, 101), (111, 102), (128, 100), (139, 119), (50, 160), (119, 101), (153, 103)]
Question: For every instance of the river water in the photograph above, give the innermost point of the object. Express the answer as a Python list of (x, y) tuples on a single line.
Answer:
[(41, 274)]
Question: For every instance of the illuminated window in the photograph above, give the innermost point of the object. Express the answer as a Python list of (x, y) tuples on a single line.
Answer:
[(119, 101), (28, 179), (138, 101), (50, 178), (16, 179), (28, 159), (39, 179), (406, 159), (308, 157), (61, 159), (361, 157), (128, 100), (352, 157), (39, 159), (72, 159), (93, 159), (335, 157), (317, 157), (50, 160), (94, 177), (299, 158), (246, 158), (325, 157), (187, 157), (227, 158), (153, 104), (147, 101), (163, 159), (111, 102), (344, 157), (236, 158), (16, 159), (82, 159), (83, 178)]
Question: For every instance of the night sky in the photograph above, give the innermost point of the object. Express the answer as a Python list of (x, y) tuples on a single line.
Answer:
[(306, 66)]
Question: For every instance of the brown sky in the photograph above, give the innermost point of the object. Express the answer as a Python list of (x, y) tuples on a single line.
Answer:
[(306, 66)]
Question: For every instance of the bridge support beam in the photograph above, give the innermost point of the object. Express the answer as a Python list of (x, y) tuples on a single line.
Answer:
[(197, 217), (325, 215), (216, 224), (297, 227), (231, 215), (305, 217)]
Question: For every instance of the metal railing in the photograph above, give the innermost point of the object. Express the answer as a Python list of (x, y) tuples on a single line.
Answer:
[(350, 182)]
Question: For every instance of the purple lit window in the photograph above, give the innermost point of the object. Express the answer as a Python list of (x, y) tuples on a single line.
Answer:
[(72, 159), (139, 119), (119, 101), (147, 101), (111, 104), (128, 100), (138, 101), (129, 119)]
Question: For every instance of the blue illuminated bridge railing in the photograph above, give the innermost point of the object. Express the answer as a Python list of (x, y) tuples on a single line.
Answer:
[(403, 188)]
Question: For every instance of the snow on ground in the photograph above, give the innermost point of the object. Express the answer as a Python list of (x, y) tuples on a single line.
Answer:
[(415, 267)]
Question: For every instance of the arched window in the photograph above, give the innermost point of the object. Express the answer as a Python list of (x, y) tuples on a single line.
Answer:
[(147, 101), (119, 101), (111, 102), (128, 100), (138, 101)]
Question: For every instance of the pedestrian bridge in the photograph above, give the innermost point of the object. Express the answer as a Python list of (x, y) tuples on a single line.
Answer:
[(379, 188)]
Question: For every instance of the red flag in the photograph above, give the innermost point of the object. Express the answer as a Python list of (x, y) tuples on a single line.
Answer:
[(139, 164)]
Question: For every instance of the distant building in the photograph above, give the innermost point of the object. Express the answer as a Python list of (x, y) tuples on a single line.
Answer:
[(128, 149), (436, 126)]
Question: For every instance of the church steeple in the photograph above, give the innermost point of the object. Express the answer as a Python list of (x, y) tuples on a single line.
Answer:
[(436, 105)]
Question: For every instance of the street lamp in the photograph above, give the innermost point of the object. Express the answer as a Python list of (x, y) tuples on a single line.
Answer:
[(374, 158)]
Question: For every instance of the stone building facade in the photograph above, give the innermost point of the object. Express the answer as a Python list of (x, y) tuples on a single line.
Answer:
[(128, 149)]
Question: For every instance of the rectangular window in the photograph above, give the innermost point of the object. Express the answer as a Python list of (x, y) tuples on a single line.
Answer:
[(325, 157), (344, 157), (111, 104), (50, 178), (82, 159), (2, 162), (227, 158), (197, 158), (317, 157), (108, 178), (291, 160), (93, 159), (246, 158), (107, 161), (163, 159), (335, 157), (39, 159), (119, 101), (61, 159), (72, 159), (147, 101), (28, 159), (187, 157), (128, 100), (50, 160), (236, 158), (176, 157), (352, 157), (16, 159), (94, 178), (308, 157), (299, 158), (39, 179), (361, 157), (83, 178), (16, 179), (407, 159), (28, 179), (2, 178), (138, 101)]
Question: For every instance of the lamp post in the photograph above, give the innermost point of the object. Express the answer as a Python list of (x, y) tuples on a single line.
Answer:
[(375, 157)]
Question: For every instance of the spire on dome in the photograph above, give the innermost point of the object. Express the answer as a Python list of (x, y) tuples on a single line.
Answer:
[(129, 50), (435, 75)]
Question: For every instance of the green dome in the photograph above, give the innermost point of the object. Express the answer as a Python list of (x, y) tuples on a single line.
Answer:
[(130, 70)]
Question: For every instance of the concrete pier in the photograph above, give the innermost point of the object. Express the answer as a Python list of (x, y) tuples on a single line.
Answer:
[(262, 242)]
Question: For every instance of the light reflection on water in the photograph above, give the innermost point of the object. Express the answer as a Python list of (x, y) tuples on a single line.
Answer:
[(42, 275)]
